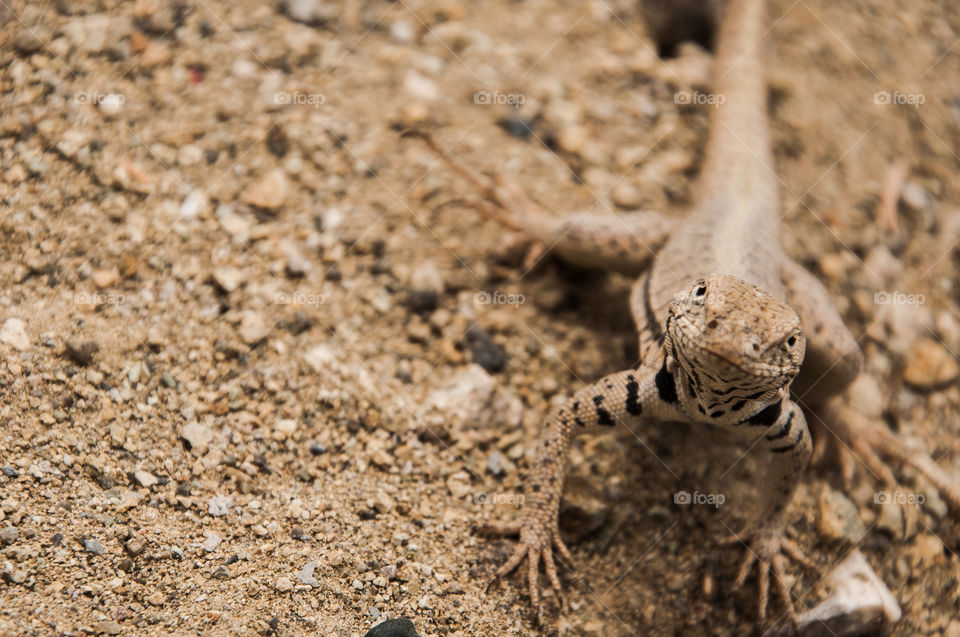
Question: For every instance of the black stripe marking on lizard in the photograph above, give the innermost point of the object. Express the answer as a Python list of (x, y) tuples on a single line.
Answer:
[(603, 416), (666, 386), (634, 408), (783, 430), (765, 417)]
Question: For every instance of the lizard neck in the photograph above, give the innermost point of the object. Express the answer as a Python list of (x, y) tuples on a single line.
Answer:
[(738, 170)]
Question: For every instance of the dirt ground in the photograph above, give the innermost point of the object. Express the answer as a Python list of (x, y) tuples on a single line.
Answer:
[(262, 373)]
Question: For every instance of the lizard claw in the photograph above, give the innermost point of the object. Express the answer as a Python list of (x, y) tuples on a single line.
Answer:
[(767, 547), (537, 541)]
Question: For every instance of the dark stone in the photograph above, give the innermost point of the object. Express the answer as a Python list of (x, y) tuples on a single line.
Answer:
[(401, 627)]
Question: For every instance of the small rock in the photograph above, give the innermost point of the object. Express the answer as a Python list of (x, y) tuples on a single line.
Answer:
[(402, 31), (284, 427), (189, 155), (10, 472), (219, 505), (474, 398), (424, 288), (839, 519), (212, 542), (401, 627), (859, 603), (930, 365), (154, 599), (197, 436), (306, 575), (627, 196), (496, 462), (253, 327), (227, 278), (14, 334), (27, 42), (193, 204), (107, 628), (93, 546), (891, 519), (421, 87), (82, 352), (145, 478), (915, 197), (270, 193), (484, 352), (135, 546), (105, 278), (9, 535), (309, 12)]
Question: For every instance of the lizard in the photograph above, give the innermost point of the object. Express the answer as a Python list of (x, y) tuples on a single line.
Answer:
[(733, 333)]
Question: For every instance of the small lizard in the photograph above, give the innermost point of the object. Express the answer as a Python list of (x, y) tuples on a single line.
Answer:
[(728, 325)]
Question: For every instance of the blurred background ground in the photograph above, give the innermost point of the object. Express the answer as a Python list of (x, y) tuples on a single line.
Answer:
[(261, 374)]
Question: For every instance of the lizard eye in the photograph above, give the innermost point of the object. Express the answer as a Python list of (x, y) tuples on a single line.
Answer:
[(791, 341), (700, 291)]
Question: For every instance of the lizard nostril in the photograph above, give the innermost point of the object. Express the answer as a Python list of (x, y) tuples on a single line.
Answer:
[(712, 324)]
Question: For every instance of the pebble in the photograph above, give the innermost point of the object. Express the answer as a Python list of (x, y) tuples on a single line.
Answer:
[(193, 204), (93, 546), (27, 42), (219, 505), (839, 519), (309, 12), (627, 196), (472, 397), (212, 542), (424, 288), (105, 278), (496, 462), (145, 478), (421, 87), (9, 535), (10, 472), (306, 575), (197, 436), (484, 352), (107, 628), (270, 193), (82, 352), (915, 197), (227, 278), (891, 519), (859, 603), (253, 327), (189, 155), (401, 627), (134, 546), (284, 427), (929, 365), (14, 334)]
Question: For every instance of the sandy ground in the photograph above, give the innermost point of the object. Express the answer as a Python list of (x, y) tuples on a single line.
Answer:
[(262, 374)]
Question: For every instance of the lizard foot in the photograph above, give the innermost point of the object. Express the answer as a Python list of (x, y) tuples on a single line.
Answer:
[(766, 547), (859, 438), (537, 539)]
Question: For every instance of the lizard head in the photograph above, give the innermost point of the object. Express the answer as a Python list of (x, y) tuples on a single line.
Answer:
[(729, 332)]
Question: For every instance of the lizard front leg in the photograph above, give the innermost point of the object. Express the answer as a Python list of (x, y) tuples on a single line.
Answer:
[(643, 392), (788, 446)]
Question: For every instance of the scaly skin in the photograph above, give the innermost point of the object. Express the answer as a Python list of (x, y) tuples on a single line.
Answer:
[(724, 319)]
